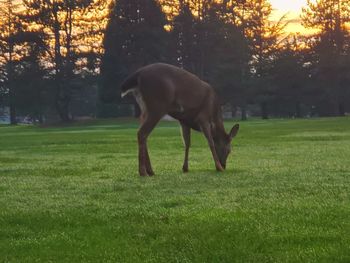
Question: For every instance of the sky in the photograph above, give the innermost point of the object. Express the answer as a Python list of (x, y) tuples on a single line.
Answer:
[(293, 9)]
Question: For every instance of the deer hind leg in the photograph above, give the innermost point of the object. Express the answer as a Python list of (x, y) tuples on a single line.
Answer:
[(144, 160), (146, 128), (186, 134), (205, 127)]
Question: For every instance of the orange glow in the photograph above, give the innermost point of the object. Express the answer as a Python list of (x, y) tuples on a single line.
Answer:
[(292, 9)]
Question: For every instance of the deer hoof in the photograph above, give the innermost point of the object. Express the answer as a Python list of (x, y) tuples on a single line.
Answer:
[(185, 169), (150, 173), (219, 168), (143, 173)]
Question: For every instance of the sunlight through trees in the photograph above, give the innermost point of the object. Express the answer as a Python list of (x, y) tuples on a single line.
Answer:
[(60, 56)]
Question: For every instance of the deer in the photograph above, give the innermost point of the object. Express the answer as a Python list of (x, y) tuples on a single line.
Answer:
[(162, 89)]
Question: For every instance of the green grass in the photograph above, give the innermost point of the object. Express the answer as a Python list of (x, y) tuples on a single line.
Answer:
[(72, 194)]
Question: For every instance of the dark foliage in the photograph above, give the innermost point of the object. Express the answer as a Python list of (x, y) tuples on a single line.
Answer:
[(135, 36), (252, 64)]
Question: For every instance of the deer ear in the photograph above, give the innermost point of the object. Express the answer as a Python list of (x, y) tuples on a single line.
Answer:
[(234, 131)]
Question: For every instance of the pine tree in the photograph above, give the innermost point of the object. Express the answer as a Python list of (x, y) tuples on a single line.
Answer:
[(208, 43), (263, 42), (331, 48), (291, 78), (135, 36), (184, 41), (31, 86)]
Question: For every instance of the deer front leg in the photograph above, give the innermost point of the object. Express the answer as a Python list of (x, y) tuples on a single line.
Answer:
[(186, 134), (142, 153), (149, 169), (207, 133)]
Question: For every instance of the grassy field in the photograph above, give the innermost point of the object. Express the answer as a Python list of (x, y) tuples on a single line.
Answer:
[(73, 194)]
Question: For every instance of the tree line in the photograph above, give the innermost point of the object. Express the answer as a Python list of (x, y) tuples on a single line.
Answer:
[(52, 62)]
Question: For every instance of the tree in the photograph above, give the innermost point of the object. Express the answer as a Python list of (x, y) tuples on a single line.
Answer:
[(9, 26), (135, 36), (29, 79), (184, 42), (263, 41), (206, 43), (237, 14), (67, 27), (331, 49), (228, 56), (291, 78), (256, 49)]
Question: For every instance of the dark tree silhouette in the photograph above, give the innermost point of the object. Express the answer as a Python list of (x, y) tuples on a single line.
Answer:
[(331, 47), (65, 30), (51, 55), (29, 79), (184, 38), (290, 76), (135, 36), (263, 38), (9, 26)]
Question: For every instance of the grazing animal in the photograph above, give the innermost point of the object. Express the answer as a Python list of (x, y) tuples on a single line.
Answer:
[(162, 89)]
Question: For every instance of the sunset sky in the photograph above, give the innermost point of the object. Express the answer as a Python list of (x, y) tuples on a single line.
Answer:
[(293, 9)]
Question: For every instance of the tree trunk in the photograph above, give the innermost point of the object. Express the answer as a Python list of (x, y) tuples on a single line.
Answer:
[(62, 97), (233, 110), (264, 111), (41, 118), (341, 109), (62, 107), (13, 117), (10, 66), (12, 94), (12, 100), (62, 104), (244, 113), (298, 110)]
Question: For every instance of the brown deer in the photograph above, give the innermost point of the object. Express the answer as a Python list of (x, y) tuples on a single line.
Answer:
[(162, 89)]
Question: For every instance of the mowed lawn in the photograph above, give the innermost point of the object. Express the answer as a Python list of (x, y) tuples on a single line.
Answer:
[(73, 194)]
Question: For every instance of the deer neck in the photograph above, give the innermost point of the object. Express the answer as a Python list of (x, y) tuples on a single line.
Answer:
[(218, 129)]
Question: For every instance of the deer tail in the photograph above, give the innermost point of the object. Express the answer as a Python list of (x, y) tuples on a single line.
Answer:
[(130, 84)]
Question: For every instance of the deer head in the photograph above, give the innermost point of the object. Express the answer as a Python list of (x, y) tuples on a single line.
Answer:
[(223, 145)]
